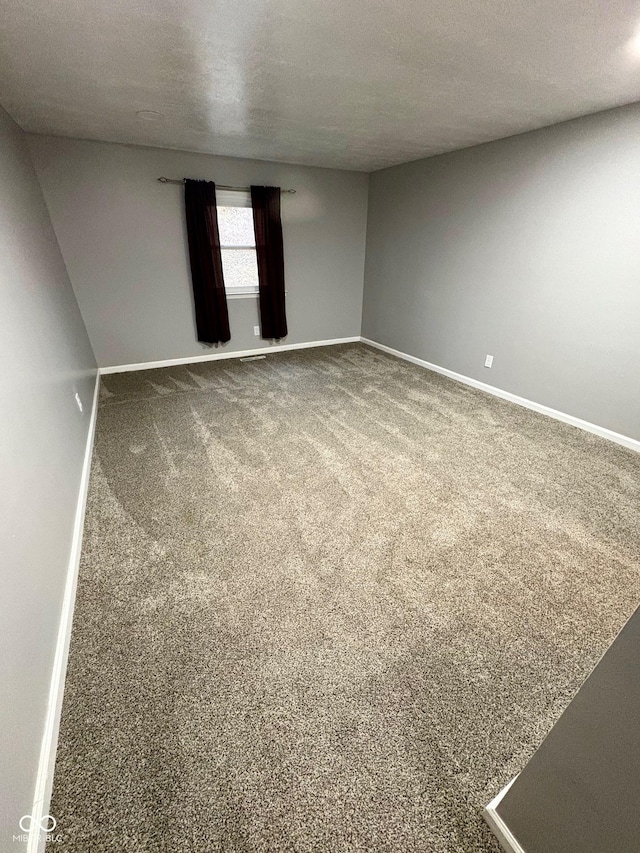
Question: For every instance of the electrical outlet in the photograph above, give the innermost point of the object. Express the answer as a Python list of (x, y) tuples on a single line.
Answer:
[(256, 331), (488, 362)]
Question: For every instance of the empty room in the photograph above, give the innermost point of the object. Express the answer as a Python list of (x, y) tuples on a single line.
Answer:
[(320, 448)]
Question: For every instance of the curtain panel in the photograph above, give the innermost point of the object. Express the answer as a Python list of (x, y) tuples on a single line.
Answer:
[(210, 299), (265, 202)]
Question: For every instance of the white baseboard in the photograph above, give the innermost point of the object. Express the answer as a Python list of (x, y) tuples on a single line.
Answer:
[(499, 828), (47, 760), (215, 356), (624, 440)]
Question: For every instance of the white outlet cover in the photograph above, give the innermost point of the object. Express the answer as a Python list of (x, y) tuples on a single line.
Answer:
[(488, 362), (256, 330)]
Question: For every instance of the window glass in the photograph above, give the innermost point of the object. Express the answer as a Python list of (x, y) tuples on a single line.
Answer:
[(240, 269), (235, 225), (237, 243)]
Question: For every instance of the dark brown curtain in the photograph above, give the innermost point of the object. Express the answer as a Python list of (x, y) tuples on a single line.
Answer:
[(212, 317), (268, 227)]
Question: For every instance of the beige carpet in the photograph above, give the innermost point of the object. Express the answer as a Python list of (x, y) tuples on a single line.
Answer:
[(328, 601)]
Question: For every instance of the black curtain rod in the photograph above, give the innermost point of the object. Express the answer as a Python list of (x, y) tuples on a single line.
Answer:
[(164, 180)]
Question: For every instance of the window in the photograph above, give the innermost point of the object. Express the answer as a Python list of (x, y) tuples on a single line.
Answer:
[(237, 242)]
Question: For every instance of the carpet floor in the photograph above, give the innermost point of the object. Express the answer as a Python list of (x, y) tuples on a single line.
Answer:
[(328, 601)]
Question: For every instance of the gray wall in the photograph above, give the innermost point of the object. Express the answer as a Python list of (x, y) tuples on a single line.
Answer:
[(46, 358), (581, 790), (527, 249), (123, 238)]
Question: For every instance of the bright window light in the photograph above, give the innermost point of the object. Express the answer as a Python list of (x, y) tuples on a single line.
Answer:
[(633, 46), (237, 244)]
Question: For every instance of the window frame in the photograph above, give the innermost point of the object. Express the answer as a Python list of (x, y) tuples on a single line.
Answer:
[(236, 198)]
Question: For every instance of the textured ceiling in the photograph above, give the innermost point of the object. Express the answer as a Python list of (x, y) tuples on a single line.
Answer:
[(357, 84)]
